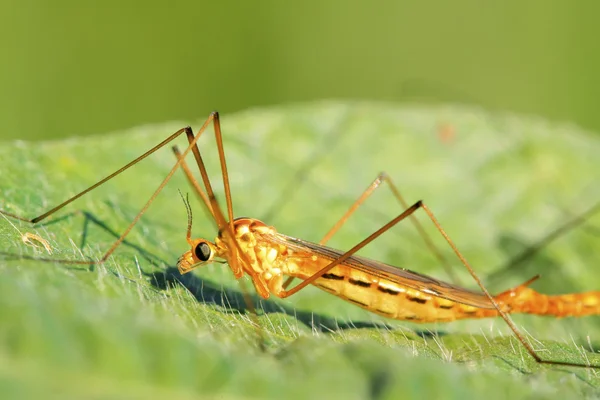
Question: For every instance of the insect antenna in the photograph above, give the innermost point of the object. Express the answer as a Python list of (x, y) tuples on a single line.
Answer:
[(188, 209)]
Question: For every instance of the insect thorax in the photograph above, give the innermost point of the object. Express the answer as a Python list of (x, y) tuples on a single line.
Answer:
[(263, 255)]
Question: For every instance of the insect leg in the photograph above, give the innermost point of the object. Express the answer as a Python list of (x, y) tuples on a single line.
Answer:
[(504, 315), (100, 182), (383, 177)]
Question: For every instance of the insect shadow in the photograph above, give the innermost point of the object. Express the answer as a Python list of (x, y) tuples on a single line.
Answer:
[(207, 292), (90, 220)]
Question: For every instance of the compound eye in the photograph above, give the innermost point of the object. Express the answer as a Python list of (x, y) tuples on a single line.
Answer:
[(203, 252)]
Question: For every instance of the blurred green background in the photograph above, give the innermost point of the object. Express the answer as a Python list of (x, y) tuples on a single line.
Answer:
[(72, 68)]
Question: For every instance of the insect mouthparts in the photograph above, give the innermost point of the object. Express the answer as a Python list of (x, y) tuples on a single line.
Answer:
[(185, 263)]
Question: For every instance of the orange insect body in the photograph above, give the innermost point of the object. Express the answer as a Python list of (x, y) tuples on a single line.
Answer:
[(377, 287)]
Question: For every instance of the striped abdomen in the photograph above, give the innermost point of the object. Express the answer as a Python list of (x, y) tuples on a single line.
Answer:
[(392, 300)]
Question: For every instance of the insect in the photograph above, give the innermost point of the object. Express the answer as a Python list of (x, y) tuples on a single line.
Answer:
[(273, 260)]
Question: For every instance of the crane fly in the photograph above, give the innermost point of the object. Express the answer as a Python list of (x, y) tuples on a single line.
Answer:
[(273, 260)]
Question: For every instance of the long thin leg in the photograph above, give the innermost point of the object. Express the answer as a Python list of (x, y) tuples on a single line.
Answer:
[(352, 251), (188, 173), (144, 208), (463, 260), (100, 182), (381, 178), (385, 178), (206, 180)]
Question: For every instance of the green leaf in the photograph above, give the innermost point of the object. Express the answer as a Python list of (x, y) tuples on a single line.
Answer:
[(134, 328)]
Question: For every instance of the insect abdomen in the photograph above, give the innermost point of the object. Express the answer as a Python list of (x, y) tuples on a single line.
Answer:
[(394, 301), (387, 298)]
